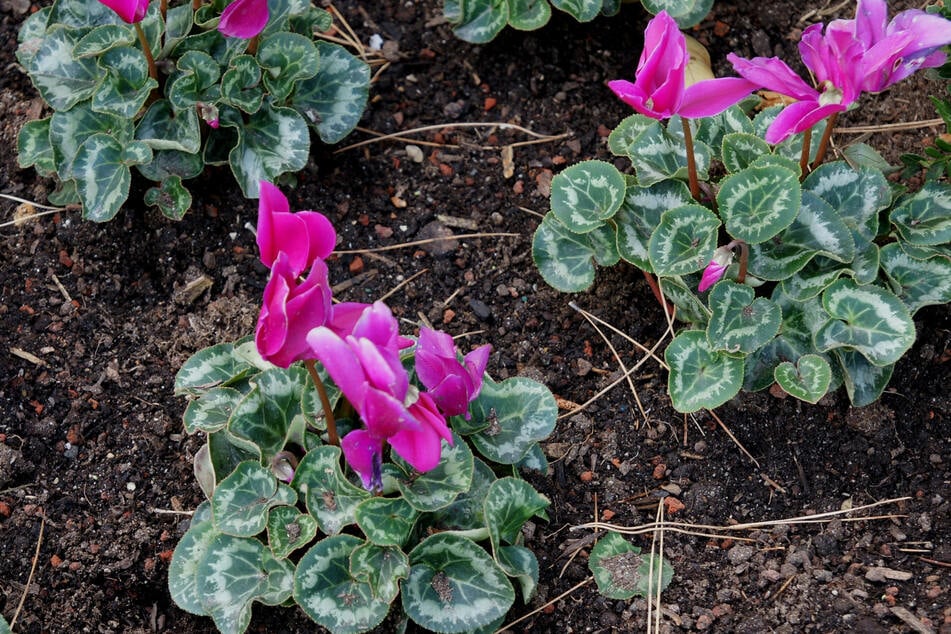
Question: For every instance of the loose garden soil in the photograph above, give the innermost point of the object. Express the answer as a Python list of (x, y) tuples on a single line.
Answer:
[(95, 467)]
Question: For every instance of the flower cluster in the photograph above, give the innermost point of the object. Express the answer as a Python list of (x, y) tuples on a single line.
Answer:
[(847, 58), (359, 345)]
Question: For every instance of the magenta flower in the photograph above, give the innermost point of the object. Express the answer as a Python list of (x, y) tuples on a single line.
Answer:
[(453, 385), (659, 90), (894, 50), (290, 310), (131, 11), (722, 258), (244, 18), (366, 366), (304, 236)]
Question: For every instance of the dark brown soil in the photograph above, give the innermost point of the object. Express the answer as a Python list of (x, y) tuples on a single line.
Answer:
[(96, 469)]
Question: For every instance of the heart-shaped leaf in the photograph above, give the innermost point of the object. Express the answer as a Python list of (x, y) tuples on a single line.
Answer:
[(868, 319), (924, 218), (334, 99), (386, 521), (211, 367), (918, 282), (286, 59), (288, 529), (564, 258), (241, 501), (640, 215), (700, 377), (864, 381), (580, 10), (161, 128), (513, 415), (741, 322), (270, 414), (759, 202), (856, 194), (808, 379), (329, 496), (212, 411), (529, 15), (520, 562), (740, 150), (380, 566), (241, 84), (61, 79), (658, 154), (586, 194), (683, 241), (509, 504), (101, 170), (621, 572), (126, 83), (438, 487), (476, 22), (171, 197)]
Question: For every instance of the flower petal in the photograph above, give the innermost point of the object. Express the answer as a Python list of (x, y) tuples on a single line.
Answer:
[(130, 11), (773, 74), (712, 96), (341, 363), (364, 453), (798, 117), (244, 18)]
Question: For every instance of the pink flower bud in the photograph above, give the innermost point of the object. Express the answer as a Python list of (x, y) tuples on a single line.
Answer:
[(722, 258)]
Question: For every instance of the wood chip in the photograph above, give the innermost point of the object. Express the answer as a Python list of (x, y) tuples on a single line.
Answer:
[(26, 356), (455, 221), (911, 620), (508, 161), (881, 573), (192, 290)]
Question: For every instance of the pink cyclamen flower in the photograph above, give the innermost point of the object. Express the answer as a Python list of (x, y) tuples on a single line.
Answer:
[(722, 258), (244, 18), (894, 50), (131, 11), (366, 366), (659, 90), (290, 309), (453, 385), (303, 236)]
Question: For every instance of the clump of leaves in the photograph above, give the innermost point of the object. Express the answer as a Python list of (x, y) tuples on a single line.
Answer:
[(286, 522), (479, 21), (169, 94)]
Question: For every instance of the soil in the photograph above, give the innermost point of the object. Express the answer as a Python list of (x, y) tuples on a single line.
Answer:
[(95, 467)]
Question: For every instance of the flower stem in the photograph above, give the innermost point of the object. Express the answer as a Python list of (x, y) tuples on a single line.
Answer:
[(824, 143), (332, 437), (253, 44), (659, 294), (744, 258), (196, 4), (691, 160), (804, 157), (153, 73)]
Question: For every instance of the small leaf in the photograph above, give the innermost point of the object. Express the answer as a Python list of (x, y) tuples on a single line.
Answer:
[(286, 59), (684, 240), (288, 529), (167, 164), (740, 150), (864, 381), (476, 22), (329, 496), (210, 367), (241, 501), (529, 15), (103, 38), (382, 567), (857, 195), (438, 487), (241, 84), (621, 572), (700, 378), (212, 411), (161, 128), (516, 413), (869, 319), (563, 258), (196, 80), (454, 586), (741, 322), (172, 199), (34, 147), (918, 282), (626, 132), (386, 521), (586, 194), (808, 379), (580, 10), (509, 504), (467, 511), (520, 562), (270, 414), (689, 307), (759, 202), (640, 214), (924, 218), (327, 591)]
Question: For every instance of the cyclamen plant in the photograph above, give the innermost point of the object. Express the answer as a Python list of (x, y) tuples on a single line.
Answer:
[(479, 21), (427, 504), (170, 90), (822, 264)]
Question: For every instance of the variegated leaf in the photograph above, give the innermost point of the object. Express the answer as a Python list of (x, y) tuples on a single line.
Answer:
[(329, 496), (813, 278), (386, 521), (520, 563), (586, 194), (196, 80), (741, 322), (740, 150), (161, 128), (288, 529), (808, 379), (510, 503), (286, 59), (454, 586), (34, 147), (103, 38), (869, 319), (856, 195), (791, 148), (383, 567), (210, 367), (61, 79), (621, 572), (640, 215), (689, 307), (917, 282), (580, 10), (467, 511), (241, 501), (476, 21), (864, 381), (212, 411), (514, 414), (658, 154), (563, 258), (627, 131), (69, 129), (241, 84), (101, 170), (529, 15), (817, 230), (187, 556), (334, 99), (31, 34), (683, 241), (328, 592), (271, 142), (759, 202), (270, 414), (167, 164), (700, 378), (438, 487), (924, 218), (171, 197)]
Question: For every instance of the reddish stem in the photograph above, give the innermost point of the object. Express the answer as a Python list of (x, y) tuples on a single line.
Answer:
[(804, 156), (658, 294), (824, 143), (332, 437), (691, 160)]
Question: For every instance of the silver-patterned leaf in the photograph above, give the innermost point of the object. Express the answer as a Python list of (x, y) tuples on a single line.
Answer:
[(586, 194), (242, 500), (271, 142), (564, 258), (917, 282), (741, 322), (329, 496), (61, 79), (171, 197), (270, 414), (580, 10), (857, 195), (386, 521), (687, 13), (684, 240), (510, 503), (161, 128), (438, 487), (808, 379), (476, 21), (529, 15), (700, 377), (759, 202), (864, 381), (383, 567), (286, 59), (334, 99), (924, 218), (103, 38), (34, 146), (518, 411), (621, 572), (288, 529), (210, 367)]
